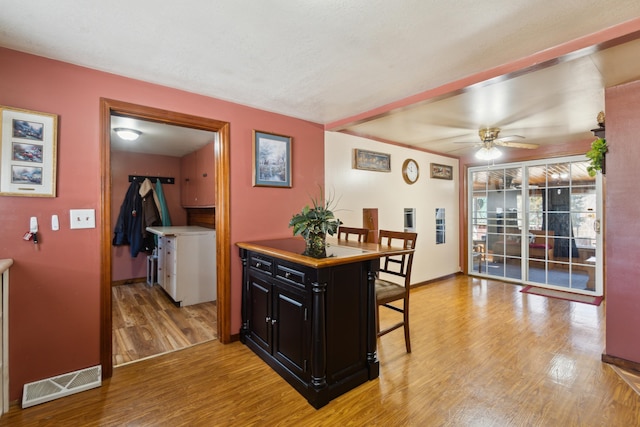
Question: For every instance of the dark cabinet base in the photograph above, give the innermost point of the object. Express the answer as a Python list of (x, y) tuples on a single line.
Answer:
[(317, 397), (314, 326)]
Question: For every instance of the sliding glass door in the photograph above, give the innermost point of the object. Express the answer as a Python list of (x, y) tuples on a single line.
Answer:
[(537, 223)]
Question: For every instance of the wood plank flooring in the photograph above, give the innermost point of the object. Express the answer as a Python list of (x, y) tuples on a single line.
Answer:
[(147, 323), (484, 354)]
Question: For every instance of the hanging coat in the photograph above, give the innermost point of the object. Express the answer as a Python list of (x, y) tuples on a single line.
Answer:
[(150, 215), (164, 210), (128, 229)]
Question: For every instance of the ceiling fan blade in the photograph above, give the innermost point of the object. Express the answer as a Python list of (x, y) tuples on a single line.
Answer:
[(515, 144), (455, 150), (510, 138)]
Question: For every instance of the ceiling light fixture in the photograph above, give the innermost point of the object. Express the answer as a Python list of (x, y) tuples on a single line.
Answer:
[(488, 153), (128, 134)]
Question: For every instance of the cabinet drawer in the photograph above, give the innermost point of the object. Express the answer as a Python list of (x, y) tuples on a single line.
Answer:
[(289, 274), (170, 245), (261, 263)]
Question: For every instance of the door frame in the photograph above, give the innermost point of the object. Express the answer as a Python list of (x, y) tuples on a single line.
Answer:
[(222, 217)]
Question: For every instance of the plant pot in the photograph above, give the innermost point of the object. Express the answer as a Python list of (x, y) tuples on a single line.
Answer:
[(316, 245)]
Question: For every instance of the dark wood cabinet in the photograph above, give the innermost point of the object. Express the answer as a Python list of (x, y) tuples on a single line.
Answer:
[(313, 324), (278, 321)]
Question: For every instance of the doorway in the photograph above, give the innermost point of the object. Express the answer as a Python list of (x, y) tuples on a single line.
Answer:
[(537, 223), (112, 107)]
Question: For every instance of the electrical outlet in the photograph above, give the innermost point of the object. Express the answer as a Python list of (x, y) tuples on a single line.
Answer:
[(82, 218)]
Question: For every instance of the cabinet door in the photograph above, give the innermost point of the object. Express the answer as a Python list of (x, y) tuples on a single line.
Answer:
[(205, 176), (259, 314), (188, 183), (290, 329)]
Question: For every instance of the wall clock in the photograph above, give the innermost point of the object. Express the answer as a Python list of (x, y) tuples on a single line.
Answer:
[(410, 171)]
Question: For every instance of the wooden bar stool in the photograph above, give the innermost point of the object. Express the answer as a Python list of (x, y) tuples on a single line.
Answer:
[(388, 291)]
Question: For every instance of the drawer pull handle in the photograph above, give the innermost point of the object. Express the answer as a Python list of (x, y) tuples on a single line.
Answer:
[(258, 264), (287, 274)]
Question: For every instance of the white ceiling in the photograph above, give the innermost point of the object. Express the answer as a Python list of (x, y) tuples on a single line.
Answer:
[(325, 61), (553, 105)]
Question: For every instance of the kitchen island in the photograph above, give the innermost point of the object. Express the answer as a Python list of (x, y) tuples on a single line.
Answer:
[(313, 320), (186, 265)]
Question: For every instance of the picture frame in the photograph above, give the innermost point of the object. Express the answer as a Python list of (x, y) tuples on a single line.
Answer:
[(441, 171), (271, 160), (28, 152), (371, 160)]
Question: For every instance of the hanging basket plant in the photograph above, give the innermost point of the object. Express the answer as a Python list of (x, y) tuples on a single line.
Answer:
[(597, 156)]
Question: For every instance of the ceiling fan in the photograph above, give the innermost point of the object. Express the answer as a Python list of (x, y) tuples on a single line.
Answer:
[(489, 142)]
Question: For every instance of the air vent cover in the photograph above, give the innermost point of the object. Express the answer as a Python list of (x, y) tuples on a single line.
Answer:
[(63, 385)]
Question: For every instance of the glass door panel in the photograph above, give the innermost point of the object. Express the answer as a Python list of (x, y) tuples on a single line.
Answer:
[(558, 252), (495, 222), (478, 221)]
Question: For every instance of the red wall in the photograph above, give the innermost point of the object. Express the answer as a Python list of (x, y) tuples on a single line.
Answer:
[(123, 164), (622, 227), (54, 308)]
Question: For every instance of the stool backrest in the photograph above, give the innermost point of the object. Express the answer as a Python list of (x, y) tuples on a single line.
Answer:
[(398, 265), (360, 234)]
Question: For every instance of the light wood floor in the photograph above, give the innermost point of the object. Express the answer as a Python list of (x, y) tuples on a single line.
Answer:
[(484, 354), (147, 323)]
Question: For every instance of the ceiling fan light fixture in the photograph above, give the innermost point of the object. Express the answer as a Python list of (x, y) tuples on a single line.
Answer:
[(488, 153), (128, 134)]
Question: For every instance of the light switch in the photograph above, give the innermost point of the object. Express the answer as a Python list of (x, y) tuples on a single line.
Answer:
[(82, 218)]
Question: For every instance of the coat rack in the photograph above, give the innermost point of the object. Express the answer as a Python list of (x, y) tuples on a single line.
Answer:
[(163, 179)]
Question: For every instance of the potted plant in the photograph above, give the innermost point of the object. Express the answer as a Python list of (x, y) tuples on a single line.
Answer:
[(597, 156), (313, 223)]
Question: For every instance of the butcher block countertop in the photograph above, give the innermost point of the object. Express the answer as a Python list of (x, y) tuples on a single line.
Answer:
[(338, 252)]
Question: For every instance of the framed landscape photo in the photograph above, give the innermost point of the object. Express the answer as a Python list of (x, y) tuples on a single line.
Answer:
[(271, 160), (371, 160), (28, 153), (441, 171)]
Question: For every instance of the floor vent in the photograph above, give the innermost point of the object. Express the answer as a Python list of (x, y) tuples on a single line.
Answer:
[(63, 385)]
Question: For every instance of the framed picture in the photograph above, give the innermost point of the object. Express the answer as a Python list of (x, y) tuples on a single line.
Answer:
[(441, 171), (271, 160), (28, 153), (371, 160)]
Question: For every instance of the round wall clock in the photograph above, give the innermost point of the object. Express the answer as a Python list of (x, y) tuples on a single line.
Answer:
[(410, 171)]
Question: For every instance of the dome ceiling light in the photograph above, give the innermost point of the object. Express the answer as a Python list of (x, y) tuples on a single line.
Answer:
[(128, 134), (488, 153), (490, 141)]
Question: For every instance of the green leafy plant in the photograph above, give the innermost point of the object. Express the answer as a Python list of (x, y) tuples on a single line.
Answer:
[(596, 155), (313, 223)]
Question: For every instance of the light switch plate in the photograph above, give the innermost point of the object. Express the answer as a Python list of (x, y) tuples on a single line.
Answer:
[(82, 218)]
